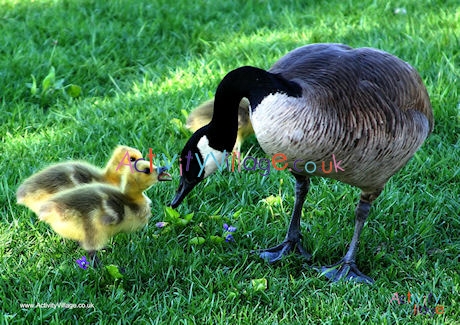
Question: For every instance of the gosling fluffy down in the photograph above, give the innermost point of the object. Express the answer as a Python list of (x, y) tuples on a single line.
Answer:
[(93, 213), (61, 176)]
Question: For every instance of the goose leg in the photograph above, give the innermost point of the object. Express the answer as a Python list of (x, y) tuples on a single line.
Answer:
[(346, 268), (293, 236)]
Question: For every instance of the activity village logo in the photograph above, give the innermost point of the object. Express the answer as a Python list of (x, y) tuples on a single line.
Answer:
[(229, 161), (422, 304)]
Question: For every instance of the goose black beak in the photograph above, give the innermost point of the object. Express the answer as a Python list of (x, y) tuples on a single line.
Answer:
[(163, 175), (184, 188)]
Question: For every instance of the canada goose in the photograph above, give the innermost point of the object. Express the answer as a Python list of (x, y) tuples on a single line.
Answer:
[(202, 115), (93, 213), (365, 106), (39, 187)]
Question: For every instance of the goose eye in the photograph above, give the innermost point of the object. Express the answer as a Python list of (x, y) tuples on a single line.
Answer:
[(132, 159), (146, 171)]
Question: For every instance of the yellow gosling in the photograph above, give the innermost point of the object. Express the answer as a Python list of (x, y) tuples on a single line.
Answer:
[(61, 176), (93, 213)]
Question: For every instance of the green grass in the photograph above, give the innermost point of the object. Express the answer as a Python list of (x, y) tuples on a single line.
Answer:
[(139, 64)]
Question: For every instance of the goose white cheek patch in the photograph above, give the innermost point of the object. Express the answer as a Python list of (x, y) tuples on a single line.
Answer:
[(217, 161)]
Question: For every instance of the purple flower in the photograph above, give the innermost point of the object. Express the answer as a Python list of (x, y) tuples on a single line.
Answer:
[(227, 232), (229, 228), (82, 263), (161, 224)]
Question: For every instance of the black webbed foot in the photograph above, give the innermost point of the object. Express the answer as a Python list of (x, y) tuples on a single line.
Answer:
[(276, 253), (346, 271)]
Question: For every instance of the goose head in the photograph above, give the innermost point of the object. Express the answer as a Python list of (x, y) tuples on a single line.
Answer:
[(209, 145), (199, 159)]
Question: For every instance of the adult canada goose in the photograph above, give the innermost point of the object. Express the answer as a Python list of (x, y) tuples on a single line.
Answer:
[(93, 213), (365, 106), (202, 115), (55, 178)]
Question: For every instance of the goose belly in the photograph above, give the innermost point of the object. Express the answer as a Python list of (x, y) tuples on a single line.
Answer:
[(365, 155)]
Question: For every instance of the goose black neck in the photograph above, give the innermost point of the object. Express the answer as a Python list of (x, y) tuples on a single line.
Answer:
[(253, 83)]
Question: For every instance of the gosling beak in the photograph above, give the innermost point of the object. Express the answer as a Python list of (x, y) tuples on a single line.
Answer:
[(184, 188), (163, 175)]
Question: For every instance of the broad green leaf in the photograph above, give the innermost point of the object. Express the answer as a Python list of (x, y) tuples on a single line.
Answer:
[(181, 222), (189, 216), (49, 80), (114, 271), (197, 241), (173, 214), (73, 91), (259, 284), (33, 87), (217, 239)]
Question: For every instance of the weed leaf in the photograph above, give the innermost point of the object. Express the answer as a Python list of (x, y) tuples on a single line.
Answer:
[(49, 80)]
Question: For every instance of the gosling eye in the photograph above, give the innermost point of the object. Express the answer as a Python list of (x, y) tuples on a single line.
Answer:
[(146, 171), (132, 159)]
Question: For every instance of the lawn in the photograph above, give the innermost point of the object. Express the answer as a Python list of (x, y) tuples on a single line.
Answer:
[(79, 77)]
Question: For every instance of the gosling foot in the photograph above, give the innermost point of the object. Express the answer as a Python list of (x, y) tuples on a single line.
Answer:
[(94, 260)]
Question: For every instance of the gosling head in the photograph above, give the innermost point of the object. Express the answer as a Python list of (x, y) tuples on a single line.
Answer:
[(121, 162), (121, 155), (143, 178), (198, 160)]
